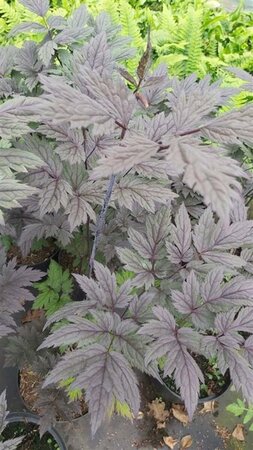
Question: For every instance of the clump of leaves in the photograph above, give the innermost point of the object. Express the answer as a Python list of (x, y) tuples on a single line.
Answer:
[(214, 378), (106, 323), (79, 250), (55, 291), (14, 284), (21, 351), (150, 158), (26, 231)]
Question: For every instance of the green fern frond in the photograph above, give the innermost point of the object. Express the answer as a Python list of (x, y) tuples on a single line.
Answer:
[(112, 8), (192, 32), (129, 25), (13, 14), (128, 22)]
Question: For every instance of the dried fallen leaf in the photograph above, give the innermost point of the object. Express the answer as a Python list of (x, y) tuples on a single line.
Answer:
[(223, 432), (158, 411), (186, 442), (180, 414), (209, 407), (32, 315), (238, 432), (170, 441), (160, 425)]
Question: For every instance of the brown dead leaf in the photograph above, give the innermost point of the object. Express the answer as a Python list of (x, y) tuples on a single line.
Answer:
[(238, 432), (209, 407), (160, 425), (186, 442), (32, 314), (158, 411), (223, 432), (180, 414), (170, 441)]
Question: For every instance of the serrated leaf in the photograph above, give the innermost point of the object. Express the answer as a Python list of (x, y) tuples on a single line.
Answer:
[(207, 173), (79, 17), (180, 250), (131, 190), (105, 376), (145, 60), (236, 409), (79, 210), (39, 7), (12, 192), (15, 115), (171, 342), (188, 302), (81, 110), (248, 416), (132, 150), (125, 74), (18, 160), (232, 127), (96, 55), (46, 51), (26, 27), (55, 194)]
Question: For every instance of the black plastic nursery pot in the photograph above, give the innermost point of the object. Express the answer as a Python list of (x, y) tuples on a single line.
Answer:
[(27, 418), (43, 265), (9, 381), (168, 395)]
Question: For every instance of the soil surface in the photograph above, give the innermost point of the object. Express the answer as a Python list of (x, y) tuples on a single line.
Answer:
[(29, 383), (31, 437), (36, 257)]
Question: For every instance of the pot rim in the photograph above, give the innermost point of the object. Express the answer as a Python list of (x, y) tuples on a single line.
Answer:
[(53, 255), (201, 400), (29, 411), (26, 416)]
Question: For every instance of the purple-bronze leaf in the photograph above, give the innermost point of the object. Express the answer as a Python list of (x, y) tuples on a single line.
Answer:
[(173, 342), (39, 7), (248, 349), (104, 375), (188, 302), (180, 250), (146, 193), (132, 150), (232, 127)]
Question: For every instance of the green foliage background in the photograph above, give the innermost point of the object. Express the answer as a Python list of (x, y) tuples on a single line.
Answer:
[(187, 35)]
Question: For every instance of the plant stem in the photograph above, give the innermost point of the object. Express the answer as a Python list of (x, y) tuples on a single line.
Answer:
[(101, 218), (101, 222), (88, 237)]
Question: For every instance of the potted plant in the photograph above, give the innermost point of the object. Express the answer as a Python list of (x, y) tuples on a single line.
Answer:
[(26, 248), (19, 430), (30, 368), (156, 152)]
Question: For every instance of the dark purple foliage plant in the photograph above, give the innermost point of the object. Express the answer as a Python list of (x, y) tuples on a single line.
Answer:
[(145, 164)]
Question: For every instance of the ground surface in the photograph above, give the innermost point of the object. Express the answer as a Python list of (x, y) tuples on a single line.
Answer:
[(121, 434), (210, 431)]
